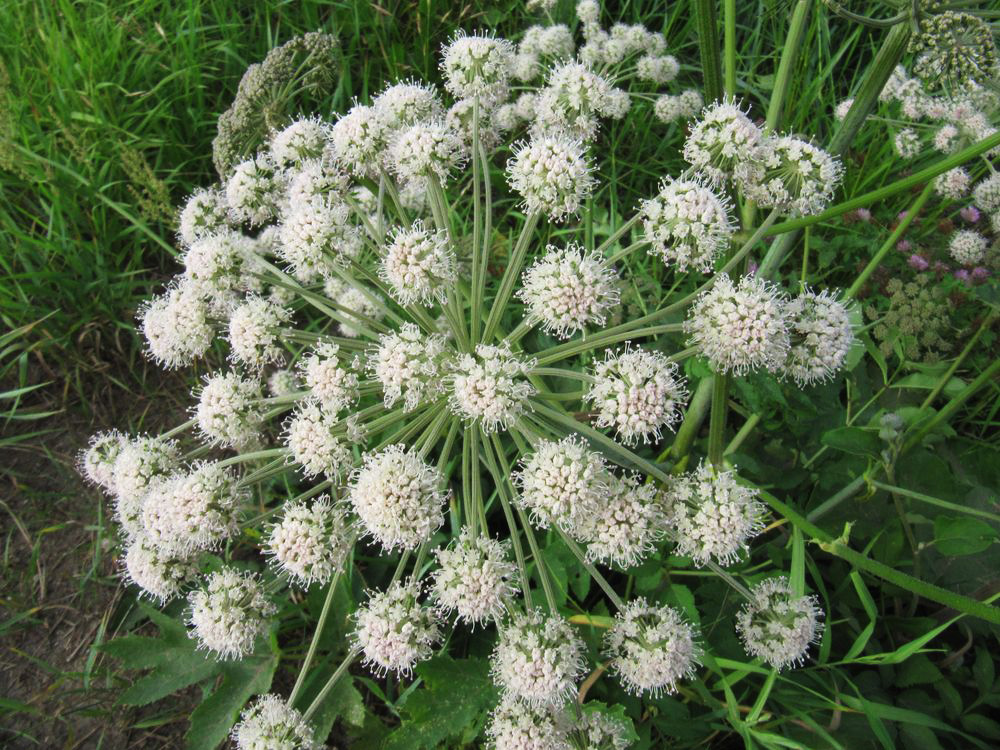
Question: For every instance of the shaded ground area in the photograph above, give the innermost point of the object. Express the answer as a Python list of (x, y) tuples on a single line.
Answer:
[(60, 597)]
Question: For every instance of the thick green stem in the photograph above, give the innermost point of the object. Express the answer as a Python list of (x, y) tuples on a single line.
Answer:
[(729, 59), (693, 418), (707, 30), (477, 289), (786, 66), (500, 479), (717, 419)]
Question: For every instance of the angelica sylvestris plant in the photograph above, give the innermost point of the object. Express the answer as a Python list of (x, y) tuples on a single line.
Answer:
[(432, 370)]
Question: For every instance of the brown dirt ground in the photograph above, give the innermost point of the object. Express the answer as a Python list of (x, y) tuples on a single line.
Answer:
[(59, 593)]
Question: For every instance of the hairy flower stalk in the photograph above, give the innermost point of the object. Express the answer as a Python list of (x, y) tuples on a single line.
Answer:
[(474, 381)]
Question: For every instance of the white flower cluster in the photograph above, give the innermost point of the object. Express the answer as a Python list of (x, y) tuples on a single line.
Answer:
[(311, 542), (398, 498), (551, 174), (776, 626), (205, 212), (331, 383), (791, 175), (682, 106), (184, 513), (712, 516), (687, 224), (490, 387), (229, 612), (419, 265), (269, 723), (563, 483), (477, 66), (651, 648), (303, 140), (409, 365), (721, 140), (229, 410), (317, 233), (314, 439), (638, 392), (255, 332), (474, 579), (573, 100), (569, 289), (627, 524), (159, 574), (177, 326), (254, 191), (740, 327), (135, 466), (821, 336), (538, 659), (968, 247), (394, 630)]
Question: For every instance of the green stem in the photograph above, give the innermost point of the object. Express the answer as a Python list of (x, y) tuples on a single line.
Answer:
[(984, 377), (717, 419), (321, 695), (610, 261), (618, 234), (589, 566), (510, 275), (911, 215), (938, 502), (921, 588), (253, 456), (500, 479), (693, 418), (786, 66), (314, 643), (611, 336), (944, 379), (729, 22), (707, 30), (749, 426), (477, 287)]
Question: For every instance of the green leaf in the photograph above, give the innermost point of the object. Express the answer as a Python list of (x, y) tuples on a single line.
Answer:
[(917, 670), (983, 671), (173, 658), (960, 535), (212, 720), (453, 702), (853, 440), (979, 726)]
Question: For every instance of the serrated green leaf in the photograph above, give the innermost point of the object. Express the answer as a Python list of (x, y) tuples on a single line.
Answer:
[(136, 651), (177, 671), (212, 720), (456, 696), (917, 670), (173, 658)]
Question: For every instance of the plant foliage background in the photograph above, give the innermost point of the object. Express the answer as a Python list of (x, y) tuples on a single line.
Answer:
[(109, 113)]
